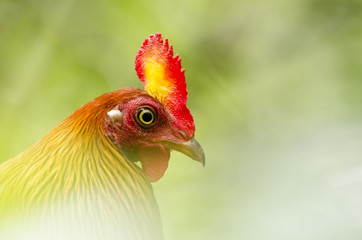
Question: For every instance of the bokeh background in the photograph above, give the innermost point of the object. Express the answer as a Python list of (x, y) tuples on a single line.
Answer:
[(275, 88)]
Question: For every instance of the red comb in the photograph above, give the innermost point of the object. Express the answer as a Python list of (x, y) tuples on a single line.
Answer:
[(164, 79)]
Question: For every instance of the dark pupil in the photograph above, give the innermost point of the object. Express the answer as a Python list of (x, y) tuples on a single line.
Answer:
[(147, 117)]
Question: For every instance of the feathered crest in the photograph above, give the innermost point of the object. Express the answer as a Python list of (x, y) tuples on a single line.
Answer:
[(163, 78)]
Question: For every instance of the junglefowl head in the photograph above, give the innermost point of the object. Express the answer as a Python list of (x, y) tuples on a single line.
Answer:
[(147, 124)]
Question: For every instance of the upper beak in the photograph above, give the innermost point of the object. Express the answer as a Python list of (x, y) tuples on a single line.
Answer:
[(190, 148)]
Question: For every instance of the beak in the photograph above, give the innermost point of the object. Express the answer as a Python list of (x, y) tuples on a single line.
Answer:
[(190, 148)]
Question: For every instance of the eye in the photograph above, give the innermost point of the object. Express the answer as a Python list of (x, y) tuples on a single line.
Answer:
[(146, 117)]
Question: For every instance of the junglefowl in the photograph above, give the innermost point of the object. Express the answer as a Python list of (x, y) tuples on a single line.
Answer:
[(81, 180)]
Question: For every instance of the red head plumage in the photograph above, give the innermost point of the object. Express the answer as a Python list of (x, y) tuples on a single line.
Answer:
[(164, 79)]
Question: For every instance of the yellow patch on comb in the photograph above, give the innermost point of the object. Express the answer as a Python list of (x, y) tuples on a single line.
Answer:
[(159, 86)]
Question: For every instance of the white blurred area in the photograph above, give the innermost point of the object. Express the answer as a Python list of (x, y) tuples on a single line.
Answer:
[(309, 187)]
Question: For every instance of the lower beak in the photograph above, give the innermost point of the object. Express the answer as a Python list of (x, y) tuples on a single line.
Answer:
[(190, 148)]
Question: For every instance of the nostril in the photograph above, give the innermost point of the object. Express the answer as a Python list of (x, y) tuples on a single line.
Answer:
[(183, 135)]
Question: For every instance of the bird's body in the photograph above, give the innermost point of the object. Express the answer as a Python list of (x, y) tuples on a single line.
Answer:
[(80, 180), (76, 172)]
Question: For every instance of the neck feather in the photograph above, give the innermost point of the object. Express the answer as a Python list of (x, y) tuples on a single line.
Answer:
[(76, 161)]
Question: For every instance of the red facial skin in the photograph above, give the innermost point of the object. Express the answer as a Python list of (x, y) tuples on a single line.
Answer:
[(137, 142)]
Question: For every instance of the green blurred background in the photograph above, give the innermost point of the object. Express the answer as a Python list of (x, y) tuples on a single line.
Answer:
[(275, 88)]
